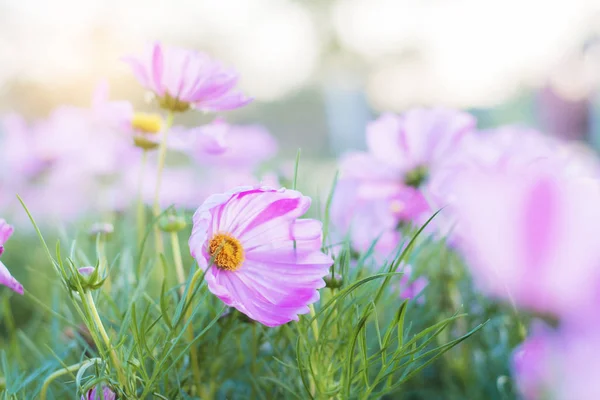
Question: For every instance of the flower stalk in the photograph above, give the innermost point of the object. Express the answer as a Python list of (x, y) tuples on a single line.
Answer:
[(178, 262), (141, 209), (98, 322), (161, 166), (190, 327)]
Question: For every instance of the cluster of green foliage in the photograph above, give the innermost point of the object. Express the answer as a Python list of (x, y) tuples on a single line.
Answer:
[(132, 327)]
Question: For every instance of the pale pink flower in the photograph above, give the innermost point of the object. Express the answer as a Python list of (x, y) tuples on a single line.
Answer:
[(365, 221), (19, 149), (182, 78), (531, 237), (559, 365), (6, 278), (266, 262), (114, 114), (203, 141), (512, 150), (532, 364), (404, 153)]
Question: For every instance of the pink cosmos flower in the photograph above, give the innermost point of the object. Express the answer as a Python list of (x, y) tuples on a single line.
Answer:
[(530, 236), (267, 263), (92, 394), (182, 78), (6, 278), (404, 153)]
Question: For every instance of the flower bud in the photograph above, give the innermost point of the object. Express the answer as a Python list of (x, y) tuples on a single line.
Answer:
[(104, 229), (333, 282), (172, 223), (93, 394), (87, 277)]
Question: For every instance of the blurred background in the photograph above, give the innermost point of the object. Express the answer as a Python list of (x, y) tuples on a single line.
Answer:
[(320, 70)]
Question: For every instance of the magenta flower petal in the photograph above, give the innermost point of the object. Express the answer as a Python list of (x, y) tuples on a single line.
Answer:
[(7, 280), (267, 262), (107, 394), (6, 231)]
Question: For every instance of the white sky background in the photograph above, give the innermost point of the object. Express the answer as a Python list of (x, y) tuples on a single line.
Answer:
[(455, 52)]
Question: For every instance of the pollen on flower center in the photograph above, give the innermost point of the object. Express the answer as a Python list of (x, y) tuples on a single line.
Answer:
[(227, 252), (147, 123)]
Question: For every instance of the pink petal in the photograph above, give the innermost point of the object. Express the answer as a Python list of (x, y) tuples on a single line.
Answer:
[(7, 280), (157, 70), (6, 231)]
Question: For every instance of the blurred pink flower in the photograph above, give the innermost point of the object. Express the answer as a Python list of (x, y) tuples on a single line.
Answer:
[(182, 78), (6, 278), (420, 138), (203, 141), (559, 365), (72, 137), (92, 394), (410, 286), (268, 263), (530, 236), (384, 186), (6, 231), (532, 362), (114, 114), (364, 220), (507, 149), (18, 149), (243, 146)]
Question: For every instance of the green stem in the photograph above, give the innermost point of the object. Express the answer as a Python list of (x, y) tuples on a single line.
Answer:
[(102, 260), (178, 261), (190, 328), (161, 166), (61, 372), (141, 209), (100, 326), (315, 325), (315, 329)]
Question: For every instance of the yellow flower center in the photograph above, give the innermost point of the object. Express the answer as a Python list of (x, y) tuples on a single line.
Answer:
[(227, 252), (147, 123)]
